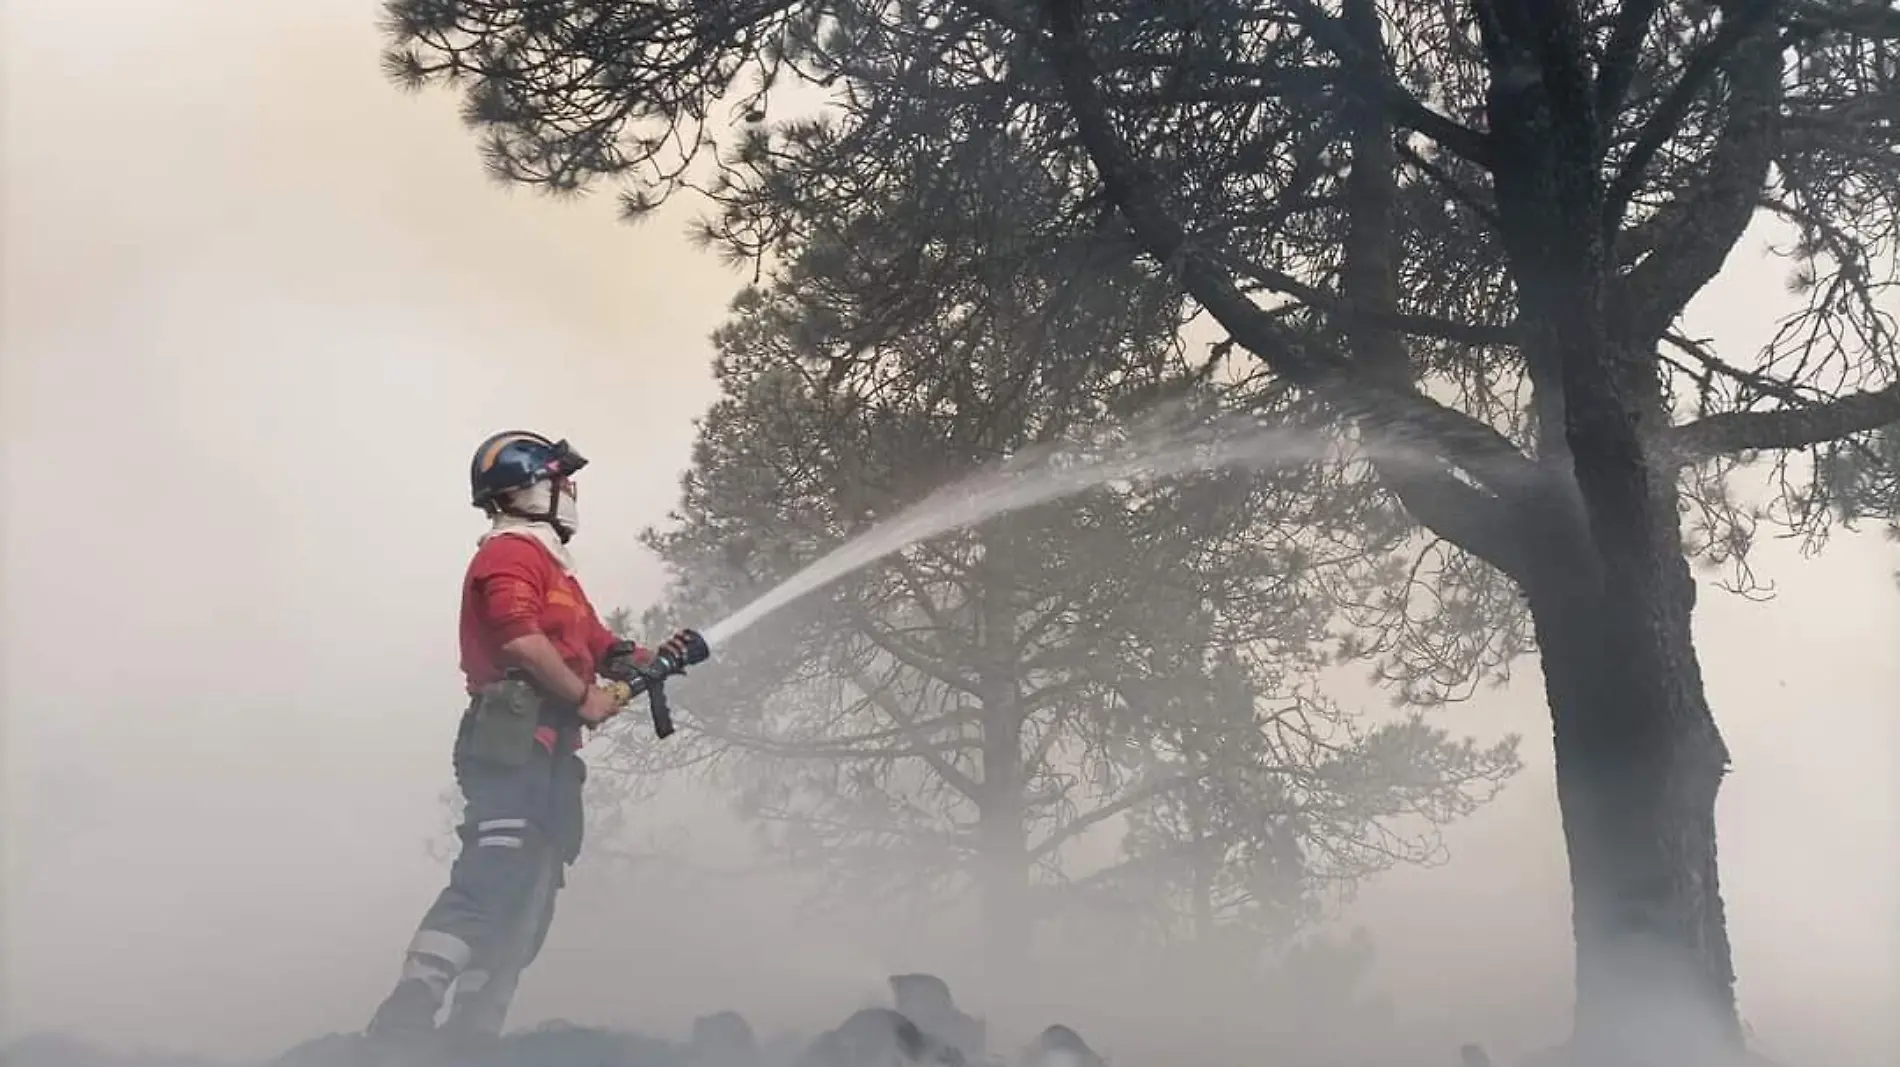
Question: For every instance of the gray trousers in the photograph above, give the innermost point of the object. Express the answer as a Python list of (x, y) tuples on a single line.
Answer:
[(521, 827)]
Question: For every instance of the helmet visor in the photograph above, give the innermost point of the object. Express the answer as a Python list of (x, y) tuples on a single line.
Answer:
[(565, 462)]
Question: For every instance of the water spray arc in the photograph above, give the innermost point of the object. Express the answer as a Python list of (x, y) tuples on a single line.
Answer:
[(1045, 476)]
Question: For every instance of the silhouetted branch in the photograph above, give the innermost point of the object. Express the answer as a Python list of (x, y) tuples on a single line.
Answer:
[(1787, 428)]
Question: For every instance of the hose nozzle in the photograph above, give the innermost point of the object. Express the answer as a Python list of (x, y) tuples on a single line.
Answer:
[(684, 649)]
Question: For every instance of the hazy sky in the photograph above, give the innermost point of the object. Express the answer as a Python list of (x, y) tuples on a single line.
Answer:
[(259, 306)]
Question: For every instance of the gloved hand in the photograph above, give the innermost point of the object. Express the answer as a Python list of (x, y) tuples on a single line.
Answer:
[(601, 704), (686, 648), (624, 660)]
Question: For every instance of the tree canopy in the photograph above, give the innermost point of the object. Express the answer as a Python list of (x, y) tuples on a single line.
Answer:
[(1235, 127), (1217, 140), (1474, 227)]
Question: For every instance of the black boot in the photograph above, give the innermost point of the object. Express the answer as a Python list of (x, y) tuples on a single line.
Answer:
[(408, 1012)]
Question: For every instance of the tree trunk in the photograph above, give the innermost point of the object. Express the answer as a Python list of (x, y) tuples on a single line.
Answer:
[(1008, 926), (1003, 851), (1002, 841), (1639, 762), (1203, 864)]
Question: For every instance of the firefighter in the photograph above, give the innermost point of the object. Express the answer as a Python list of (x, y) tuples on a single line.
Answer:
[(532, 651)]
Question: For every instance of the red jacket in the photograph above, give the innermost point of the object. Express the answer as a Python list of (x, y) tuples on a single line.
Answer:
[(515, 587)]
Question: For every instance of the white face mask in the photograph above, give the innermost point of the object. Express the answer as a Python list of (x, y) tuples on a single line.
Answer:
[(567, 510), (534, 501)]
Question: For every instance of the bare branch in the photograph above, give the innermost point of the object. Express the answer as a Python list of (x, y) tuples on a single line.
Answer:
[(949, 772), (1133, 798), (1786, 428)]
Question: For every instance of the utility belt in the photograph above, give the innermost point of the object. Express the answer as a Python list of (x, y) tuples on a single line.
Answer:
[(507, 721)]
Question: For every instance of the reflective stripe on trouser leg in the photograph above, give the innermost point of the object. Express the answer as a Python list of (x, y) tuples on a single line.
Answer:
[(436, 958), (487, 989), (494, 872)]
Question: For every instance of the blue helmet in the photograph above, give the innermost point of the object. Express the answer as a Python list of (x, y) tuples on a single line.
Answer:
[(516, 459)]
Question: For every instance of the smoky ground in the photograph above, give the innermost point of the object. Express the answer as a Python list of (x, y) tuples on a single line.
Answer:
[(674, 948), (921, 1024)]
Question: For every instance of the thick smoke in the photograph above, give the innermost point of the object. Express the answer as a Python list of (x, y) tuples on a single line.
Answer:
[(258, 305)]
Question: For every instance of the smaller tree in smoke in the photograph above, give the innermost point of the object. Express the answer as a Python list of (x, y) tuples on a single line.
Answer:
[(979, 714)]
